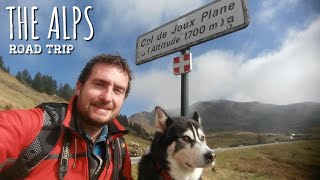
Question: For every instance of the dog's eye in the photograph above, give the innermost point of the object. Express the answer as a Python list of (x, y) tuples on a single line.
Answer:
[(202, 138), (185, 138)]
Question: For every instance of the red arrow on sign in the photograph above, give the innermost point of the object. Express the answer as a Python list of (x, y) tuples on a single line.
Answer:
[(182, 64)]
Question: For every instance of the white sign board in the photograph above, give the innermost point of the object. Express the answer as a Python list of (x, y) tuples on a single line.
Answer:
[(213, 20)]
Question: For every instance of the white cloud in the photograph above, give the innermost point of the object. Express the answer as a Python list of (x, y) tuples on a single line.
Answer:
[(213, 75), (288, 75), (157, 87)]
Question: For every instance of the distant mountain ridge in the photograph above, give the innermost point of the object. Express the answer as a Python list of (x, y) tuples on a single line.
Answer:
[(225, 115)]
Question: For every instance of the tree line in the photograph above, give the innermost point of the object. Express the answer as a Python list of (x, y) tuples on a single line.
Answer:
[(3, 67), (42, 83), (140, 131)]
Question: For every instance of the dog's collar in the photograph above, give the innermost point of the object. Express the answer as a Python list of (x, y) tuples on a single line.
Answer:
[(164, 173)]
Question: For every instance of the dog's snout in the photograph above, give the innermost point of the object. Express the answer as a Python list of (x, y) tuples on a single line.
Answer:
[(209, 156)]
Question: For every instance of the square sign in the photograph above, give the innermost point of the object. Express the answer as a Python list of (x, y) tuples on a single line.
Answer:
[(216, 19), (182, 64)]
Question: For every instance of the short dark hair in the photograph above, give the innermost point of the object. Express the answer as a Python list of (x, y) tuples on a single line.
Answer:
[(114, 60)]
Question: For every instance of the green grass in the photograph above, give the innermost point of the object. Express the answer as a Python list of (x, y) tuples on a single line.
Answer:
[(292, 160), (234, 139)]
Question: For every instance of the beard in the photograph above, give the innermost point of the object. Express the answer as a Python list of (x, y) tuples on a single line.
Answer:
[(93, 119), (85, 119)]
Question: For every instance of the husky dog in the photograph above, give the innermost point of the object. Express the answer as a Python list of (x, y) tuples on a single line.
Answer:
[(178, 150)]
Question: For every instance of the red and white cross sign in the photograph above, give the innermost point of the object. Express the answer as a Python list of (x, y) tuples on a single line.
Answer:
[(182, 64)]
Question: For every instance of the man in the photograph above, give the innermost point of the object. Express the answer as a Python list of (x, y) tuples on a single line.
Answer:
[(90, 143)]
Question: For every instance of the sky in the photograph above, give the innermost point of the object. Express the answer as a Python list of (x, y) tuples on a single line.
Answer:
[(274, 60)]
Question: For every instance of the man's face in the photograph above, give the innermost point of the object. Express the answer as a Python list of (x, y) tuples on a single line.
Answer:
[(100, 98)]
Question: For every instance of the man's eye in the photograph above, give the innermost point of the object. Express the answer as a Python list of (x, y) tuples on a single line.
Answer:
[(99, 84), (185, 138), (119, 91)]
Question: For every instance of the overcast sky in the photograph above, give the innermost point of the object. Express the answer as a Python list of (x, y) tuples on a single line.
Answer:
[(274, 60)]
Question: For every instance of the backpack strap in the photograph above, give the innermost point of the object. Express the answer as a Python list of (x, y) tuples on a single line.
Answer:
[(41, 146), (64, 160), (119, 154)]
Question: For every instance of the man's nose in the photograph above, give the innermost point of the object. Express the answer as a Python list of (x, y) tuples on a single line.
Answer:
[(106, 95)]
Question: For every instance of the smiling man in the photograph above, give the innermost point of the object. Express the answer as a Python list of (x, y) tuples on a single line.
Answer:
[(81, 140)]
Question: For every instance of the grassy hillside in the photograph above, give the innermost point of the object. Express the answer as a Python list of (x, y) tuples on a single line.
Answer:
[(13, 94), (292, 160), (238, 138), (137, 140)]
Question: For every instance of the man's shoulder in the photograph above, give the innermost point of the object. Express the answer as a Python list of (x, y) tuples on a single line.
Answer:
[(21, 114)]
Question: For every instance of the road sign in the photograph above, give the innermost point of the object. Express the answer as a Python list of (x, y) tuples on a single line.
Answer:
[(182, 64), (213, 20)]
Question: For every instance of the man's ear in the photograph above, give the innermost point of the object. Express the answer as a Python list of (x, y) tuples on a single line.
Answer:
[(196, 117), (78, 88), (161, 120)]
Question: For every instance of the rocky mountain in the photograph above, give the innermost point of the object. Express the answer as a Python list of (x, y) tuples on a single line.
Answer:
[(224, 115), (143, 118)]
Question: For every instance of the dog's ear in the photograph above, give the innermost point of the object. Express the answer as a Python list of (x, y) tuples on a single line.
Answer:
[(196, 117), (161, 120)]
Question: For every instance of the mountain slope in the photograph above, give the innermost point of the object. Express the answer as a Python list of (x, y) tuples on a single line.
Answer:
[(14, 94), (224, 115), (257, 117)]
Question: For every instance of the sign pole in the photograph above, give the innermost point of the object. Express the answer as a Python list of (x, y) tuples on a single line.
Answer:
[(184, 89)]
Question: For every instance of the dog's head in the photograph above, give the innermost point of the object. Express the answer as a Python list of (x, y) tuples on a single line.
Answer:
[(185, 140)]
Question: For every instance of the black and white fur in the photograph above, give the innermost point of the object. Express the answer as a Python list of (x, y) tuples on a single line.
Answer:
[(178, 148)]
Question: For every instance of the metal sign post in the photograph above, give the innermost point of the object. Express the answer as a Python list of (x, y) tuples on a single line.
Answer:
[(184, 90), (182, 65)]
